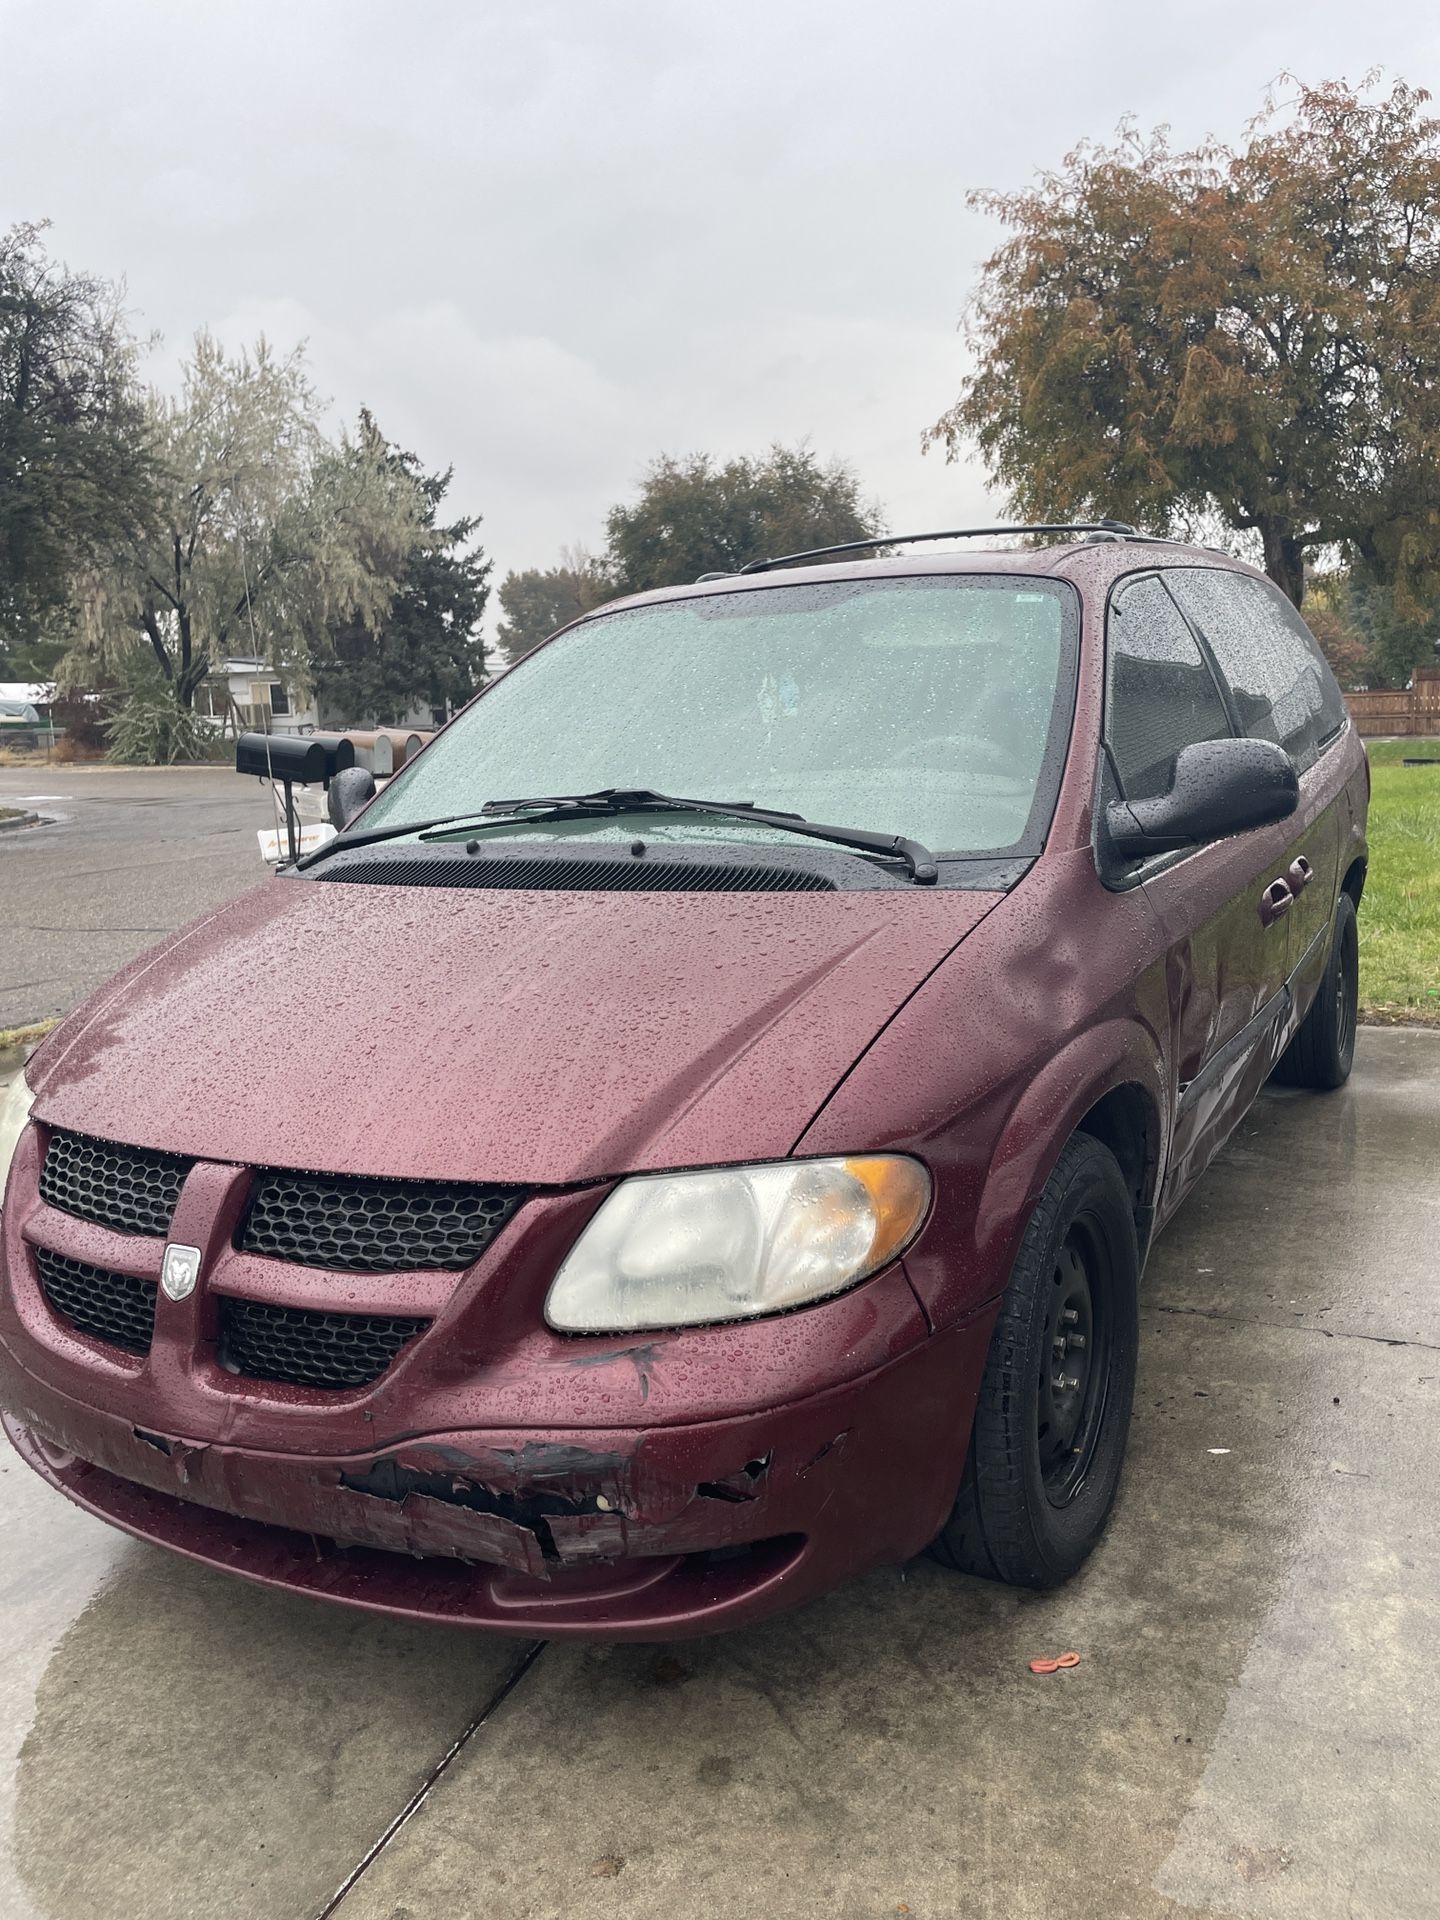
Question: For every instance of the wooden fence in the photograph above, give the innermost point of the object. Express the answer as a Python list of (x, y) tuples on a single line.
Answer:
[(1413, 712)]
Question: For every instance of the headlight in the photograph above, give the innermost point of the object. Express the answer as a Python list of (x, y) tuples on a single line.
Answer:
[(16, 1101), (683, 1249)]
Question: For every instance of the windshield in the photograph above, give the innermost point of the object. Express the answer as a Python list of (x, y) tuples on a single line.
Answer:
[(937, 708)]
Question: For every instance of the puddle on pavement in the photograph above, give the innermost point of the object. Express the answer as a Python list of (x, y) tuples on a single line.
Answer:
[(200, 1746), (53, 1561)]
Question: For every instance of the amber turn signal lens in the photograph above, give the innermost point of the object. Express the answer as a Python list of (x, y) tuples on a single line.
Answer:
[(899, 1191)]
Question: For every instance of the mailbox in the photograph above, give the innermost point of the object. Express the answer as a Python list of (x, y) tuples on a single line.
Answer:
[(304, 760), (295, 760)]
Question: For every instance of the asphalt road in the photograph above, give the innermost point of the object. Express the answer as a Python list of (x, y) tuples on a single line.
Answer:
[(1253, 1729), (132, 853)]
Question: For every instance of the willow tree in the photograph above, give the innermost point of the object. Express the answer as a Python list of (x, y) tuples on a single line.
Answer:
[(267, 533), (1248, 333)]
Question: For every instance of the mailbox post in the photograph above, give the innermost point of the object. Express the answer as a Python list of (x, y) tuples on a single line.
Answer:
[(295, 760)]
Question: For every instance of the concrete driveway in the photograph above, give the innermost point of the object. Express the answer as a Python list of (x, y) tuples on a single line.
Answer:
[(1254, 1728), (134, 852)]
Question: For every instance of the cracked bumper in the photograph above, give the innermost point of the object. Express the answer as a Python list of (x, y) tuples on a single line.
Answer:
[(646, 1533)]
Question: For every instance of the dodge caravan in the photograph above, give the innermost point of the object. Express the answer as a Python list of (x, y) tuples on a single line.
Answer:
[(696, 1134)]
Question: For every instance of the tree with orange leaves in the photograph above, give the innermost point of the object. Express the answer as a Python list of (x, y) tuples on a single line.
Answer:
[(1248, 333)]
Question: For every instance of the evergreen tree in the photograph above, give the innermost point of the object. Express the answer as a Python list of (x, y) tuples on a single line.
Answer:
[(76, 475), (427, 650)]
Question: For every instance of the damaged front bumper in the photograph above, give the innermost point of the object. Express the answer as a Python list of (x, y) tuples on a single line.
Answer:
[(497, 1473), (637, 1534)]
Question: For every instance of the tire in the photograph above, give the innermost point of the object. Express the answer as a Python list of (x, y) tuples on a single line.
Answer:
[(1323, 1050), (1035, 1498)]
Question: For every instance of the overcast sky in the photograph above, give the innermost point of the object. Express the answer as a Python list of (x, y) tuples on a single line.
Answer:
[(545, 240)]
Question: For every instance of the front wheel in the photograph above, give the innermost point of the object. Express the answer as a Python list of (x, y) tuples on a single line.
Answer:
[(1323, 1050), (1054, 1410)]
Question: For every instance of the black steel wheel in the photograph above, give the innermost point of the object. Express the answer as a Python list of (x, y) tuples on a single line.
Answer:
[(1054, 1410), (1074, 1367), (1323, 1050)]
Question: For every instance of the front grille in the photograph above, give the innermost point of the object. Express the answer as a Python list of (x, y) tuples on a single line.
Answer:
[(114, 1307), (309, 1349), (351, 1224), (129, 1189), (581, 876)]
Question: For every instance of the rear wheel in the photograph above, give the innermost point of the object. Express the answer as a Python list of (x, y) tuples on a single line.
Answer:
[(1054, 1411), (1323, 1050)]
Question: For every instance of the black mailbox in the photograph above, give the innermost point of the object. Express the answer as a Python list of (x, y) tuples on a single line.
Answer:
[(296, 760), (304, 759)]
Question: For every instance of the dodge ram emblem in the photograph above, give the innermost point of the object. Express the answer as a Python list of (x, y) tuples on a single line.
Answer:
[(180, 1271)]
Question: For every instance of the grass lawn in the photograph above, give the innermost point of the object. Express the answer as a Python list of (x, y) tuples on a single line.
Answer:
[(1400, 917)]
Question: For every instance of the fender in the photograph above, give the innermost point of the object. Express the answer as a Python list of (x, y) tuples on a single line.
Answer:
[(991, 1157), (1118, 1053), (966, 1256)]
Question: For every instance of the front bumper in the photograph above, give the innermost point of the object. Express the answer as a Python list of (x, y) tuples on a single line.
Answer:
[(498, 1475), (611, 1533)]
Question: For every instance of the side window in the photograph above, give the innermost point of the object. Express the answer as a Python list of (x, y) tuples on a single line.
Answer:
[(1282, 688), (1305, 649), (1160, 693)]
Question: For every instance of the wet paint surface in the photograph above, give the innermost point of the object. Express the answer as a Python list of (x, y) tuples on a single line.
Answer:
[(1249, 1733), (533, 1037)]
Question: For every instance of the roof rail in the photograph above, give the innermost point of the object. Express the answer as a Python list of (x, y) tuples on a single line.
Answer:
[(1106, 529)]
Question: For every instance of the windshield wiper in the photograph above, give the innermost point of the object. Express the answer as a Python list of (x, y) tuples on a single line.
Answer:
[(578, 804), (919, 860)]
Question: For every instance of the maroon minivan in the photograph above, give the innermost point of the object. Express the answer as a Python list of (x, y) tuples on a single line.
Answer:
[(590, 1197)]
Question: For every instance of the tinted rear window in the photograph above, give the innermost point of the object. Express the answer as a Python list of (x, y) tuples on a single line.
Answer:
[(1283, 689)]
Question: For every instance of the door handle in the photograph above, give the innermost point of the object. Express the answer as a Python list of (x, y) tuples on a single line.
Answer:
[(1301, 874), (1275, 902)]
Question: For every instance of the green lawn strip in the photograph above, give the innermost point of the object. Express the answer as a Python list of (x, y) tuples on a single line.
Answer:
[(1400, 917), (1390, 753)]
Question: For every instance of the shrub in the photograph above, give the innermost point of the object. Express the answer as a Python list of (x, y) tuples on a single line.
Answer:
[(149, 727), (80, 718)]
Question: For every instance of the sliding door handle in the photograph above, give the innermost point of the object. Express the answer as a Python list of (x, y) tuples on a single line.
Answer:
[(1301, 874)]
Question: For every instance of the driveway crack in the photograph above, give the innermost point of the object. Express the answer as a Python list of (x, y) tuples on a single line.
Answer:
[(1298, 1326), (422, 1793)]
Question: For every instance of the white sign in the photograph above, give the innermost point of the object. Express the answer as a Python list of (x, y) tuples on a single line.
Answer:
[(275, 844)]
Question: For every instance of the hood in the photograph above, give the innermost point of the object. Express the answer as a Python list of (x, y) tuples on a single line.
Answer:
[(540, 1037)]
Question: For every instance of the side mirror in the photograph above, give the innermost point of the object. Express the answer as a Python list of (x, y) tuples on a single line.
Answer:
[(1220, 787), (350, 790)]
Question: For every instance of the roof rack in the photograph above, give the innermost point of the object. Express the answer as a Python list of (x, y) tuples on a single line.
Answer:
[(1103, 529)]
